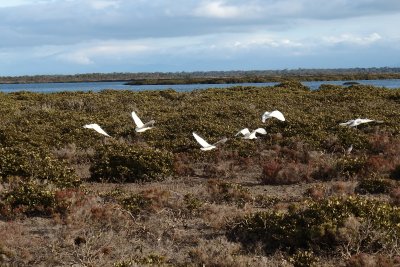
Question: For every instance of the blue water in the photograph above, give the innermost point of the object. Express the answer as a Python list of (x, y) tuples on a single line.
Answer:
[(98, 86)]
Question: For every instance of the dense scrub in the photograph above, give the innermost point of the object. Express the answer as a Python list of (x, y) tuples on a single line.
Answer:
[(297, 196), (349, 225), (122, 163)]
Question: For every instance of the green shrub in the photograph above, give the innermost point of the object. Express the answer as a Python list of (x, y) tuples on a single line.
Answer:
[(229, 192), (374, 186), (144, 202), (350, 166), (127, 163), (192, 203), (317, 226), (304, 259), (293, 85), (135, 203), (35, 163), (30, 198)]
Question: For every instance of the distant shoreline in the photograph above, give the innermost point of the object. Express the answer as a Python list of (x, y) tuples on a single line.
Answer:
[(213, 77)]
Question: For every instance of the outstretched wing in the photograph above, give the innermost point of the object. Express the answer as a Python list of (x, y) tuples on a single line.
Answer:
[(200, 140), (365, 120), (223, 140), (137, 121), (97, 128), (149, 124), (347, 123), (260, 131), (243, 131), (276, 114)]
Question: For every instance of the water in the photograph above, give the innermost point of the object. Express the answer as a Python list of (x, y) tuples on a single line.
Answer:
[(98, 86)]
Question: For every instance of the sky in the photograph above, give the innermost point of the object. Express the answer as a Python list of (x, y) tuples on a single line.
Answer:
[(90, 36)]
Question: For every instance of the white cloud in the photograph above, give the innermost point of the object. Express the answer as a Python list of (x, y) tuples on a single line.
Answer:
[(76, 57), (104, 4), (88, 53), (352, 39), (13, 3), (96, 34), (266, 42), (221, 10)]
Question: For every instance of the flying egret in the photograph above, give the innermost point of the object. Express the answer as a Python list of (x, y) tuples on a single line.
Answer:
[(97, 128), (275, 114), (356, 122), (140, 126), (251, 135), (206, 146)]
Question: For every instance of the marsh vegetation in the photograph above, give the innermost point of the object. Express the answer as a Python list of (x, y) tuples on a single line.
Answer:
[(293, 197)]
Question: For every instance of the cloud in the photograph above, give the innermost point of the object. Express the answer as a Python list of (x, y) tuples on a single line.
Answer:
[(97, 34), (103, 4), (88, 53), (218, 9), (353, 39)]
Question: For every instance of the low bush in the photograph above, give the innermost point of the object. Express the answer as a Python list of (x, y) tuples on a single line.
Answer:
[(34, 163), (126, 163), (275, 173), (146, 201), (350, 166), (374, 186), (228, 192), (304, 259), (29, 198), (319, 227)]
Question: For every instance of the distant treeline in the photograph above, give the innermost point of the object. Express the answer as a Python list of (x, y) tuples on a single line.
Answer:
[(215, 77)]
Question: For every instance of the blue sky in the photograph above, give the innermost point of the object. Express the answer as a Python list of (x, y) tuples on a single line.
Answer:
[(84, 36)]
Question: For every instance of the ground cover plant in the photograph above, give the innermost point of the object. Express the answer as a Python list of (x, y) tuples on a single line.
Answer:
[(297, 196)]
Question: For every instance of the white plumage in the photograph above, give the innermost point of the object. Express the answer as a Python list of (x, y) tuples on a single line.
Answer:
[(96, 127), (206, 146), (274, 114), (251, 135), (140, 126), (356, 122)]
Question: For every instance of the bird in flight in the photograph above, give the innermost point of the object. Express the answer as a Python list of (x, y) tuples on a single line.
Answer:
[(274, 114), (140, 126), (356, 122), (251, 135), (206, 146), (97, 128)]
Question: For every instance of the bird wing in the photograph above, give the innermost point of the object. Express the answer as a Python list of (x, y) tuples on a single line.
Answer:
[(96, 127), (347, 123), (223, 140), (200, 140), (364, 120), (137, 121), (149, 124), (260, 131), (243, 131), (277, 114)]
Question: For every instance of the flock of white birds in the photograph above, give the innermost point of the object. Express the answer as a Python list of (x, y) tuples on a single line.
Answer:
[(141, 127)]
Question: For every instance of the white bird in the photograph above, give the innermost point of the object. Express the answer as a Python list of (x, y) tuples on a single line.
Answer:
[(206, 146), (140, 126), (251, 135), (356, 122), (276, 114), (96, 127)]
